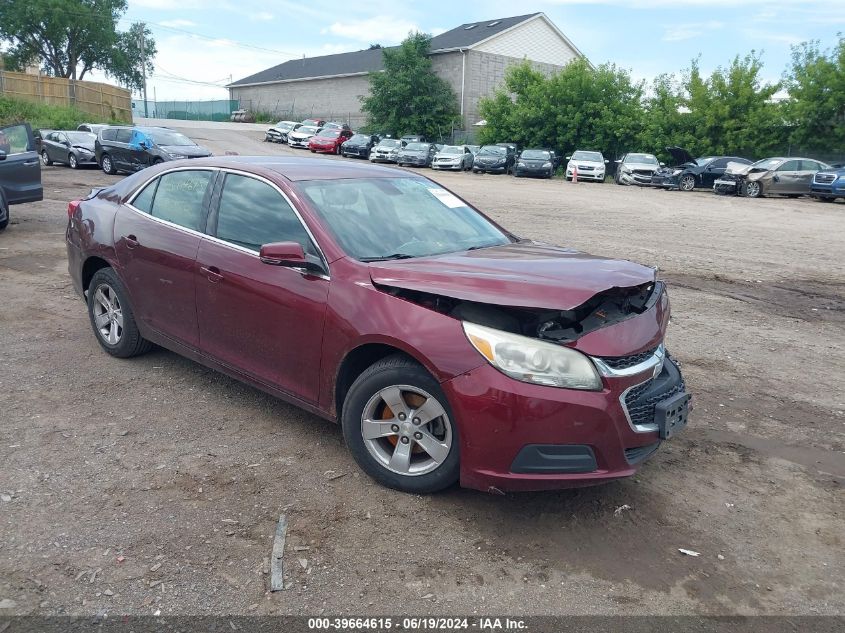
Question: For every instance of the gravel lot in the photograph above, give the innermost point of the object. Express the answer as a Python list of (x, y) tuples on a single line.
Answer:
[(155, 485)]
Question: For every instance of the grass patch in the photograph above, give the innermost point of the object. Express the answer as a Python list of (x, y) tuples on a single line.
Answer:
[(43, 116)]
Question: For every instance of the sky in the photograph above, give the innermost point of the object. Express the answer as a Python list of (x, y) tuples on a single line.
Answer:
[(203, 43)]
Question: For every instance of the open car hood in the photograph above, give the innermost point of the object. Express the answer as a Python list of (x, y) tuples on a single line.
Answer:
[(525, 274), (680, 156)]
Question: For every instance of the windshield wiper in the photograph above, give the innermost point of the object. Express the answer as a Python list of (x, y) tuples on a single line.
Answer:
[(386, 257)]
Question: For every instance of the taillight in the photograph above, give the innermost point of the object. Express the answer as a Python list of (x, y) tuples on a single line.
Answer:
[(72, 207)]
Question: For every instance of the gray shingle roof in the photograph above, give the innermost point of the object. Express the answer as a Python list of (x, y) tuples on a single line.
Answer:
[(371, 60)]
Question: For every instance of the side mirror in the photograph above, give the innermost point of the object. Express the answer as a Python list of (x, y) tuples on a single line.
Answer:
[(288, 255), (617, 161), (606, 161), (570, 158), (663, 164)]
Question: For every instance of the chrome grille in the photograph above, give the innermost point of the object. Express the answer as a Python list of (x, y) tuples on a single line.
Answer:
[(624, 362), (822, 178)]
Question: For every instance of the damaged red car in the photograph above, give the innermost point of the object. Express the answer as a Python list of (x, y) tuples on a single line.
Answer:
[(449, 349)]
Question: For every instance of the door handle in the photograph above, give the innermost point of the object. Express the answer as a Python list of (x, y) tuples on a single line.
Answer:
[(212, 273), (30, 163), (132, 241)]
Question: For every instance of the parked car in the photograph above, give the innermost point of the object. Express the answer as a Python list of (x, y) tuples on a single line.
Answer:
[(359, 145), (300, 137), (20, 173), (337, 126), (689, 173), (416, 154), (785, 176), (73, 149), (535, 162), (636, 169), (329, 140), (828, 185), (94, 128), (279, 132), (453, 157), (131, 149), (387, 150), (589, 164), (314, 122), (494, 159), (474, 149), (378, 299), (39, 135)]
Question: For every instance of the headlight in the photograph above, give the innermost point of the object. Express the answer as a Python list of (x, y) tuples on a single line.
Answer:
[(626, 170), (521, 164), (547, 164), (677, 171), (530, 360)]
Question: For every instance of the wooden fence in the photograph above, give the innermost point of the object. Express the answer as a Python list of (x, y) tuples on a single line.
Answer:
[(103, 101)]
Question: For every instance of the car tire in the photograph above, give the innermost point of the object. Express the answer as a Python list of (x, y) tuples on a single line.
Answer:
[(3, 205), (686, 183), (158, 161), (410, 388), (824, 199), (112, 318), (45, 158), (752, 189), (72, 162), (107, 165)]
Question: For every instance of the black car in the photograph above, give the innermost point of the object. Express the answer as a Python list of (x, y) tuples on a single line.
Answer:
[(134, 148), (20, 173), (359, 145), (416, 154), (690, 173), (70, 148), (495, 159), (536, 162)]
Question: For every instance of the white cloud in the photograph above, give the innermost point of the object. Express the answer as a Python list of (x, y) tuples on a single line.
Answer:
[(261, 16), (177, 23), (382, 29), (680, 32)]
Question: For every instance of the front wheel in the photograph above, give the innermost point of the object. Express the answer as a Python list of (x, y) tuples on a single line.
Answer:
[(400, 429), (72, 162), (687, 182), (45, 158), (824, 199), (752, 189), (112, 317)]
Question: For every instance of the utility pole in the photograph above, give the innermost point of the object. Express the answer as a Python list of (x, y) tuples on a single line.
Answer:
[(143, 66)]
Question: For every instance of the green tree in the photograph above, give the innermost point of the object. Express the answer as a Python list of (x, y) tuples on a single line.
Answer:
[(408, 97), (815, 82), (578, 107), (70, 38)]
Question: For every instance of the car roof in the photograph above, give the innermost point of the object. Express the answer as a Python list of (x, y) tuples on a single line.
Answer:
[(298, 168)]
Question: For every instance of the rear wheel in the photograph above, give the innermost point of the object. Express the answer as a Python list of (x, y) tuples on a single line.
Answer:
[(687, 182), (107, 165), (399, 427), (4, 207), (45, 158), (112, 318)]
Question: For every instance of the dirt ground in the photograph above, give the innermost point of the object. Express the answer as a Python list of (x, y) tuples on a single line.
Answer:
[(154, 484)]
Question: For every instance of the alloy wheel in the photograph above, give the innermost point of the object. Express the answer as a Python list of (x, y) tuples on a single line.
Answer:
[(107, 166), (108, 314), (406, 430), (45, 158), (687, 183), (752, 189), (71, 160)]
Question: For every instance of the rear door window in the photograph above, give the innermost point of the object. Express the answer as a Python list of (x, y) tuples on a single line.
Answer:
[(123, 135), (790, 165), (180, 198)]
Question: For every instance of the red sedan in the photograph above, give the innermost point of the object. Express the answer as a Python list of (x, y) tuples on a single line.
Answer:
[(329, 140), (447, 348)]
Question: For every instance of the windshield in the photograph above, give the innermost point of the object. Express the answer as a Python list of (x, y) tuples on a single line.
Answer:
[(417, 147), (307, 129), (81, 137), (594, 157), (452, 149), (167, 137), (491, 150), (358, 138), (641, 158), (701, 162), (535, 153), (394, 218), (767, 164), (390, 142), (332, 133), (284, 125)]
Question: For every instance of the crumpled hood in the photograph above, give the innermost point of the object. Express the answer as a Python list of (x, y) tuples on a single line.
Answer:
[(86, 146), (680, 156), (300, 135), (525, 274), (738, 169), (186, 150)]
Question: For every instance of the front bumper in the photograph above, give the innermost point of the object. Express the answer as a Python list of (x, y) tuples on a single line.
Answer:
[(667, 182), (587, 175), (447, 166), (518, 436), (490, 169), (363, 152), (633, 178), (727, 186), (273, 137), (833, 190), (383, 158), (416, 161), (323, 149), (301, 143)]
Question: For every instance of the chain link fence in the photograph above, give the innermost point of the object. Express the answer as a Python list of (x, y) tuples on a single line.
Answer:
[(217, 110)]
